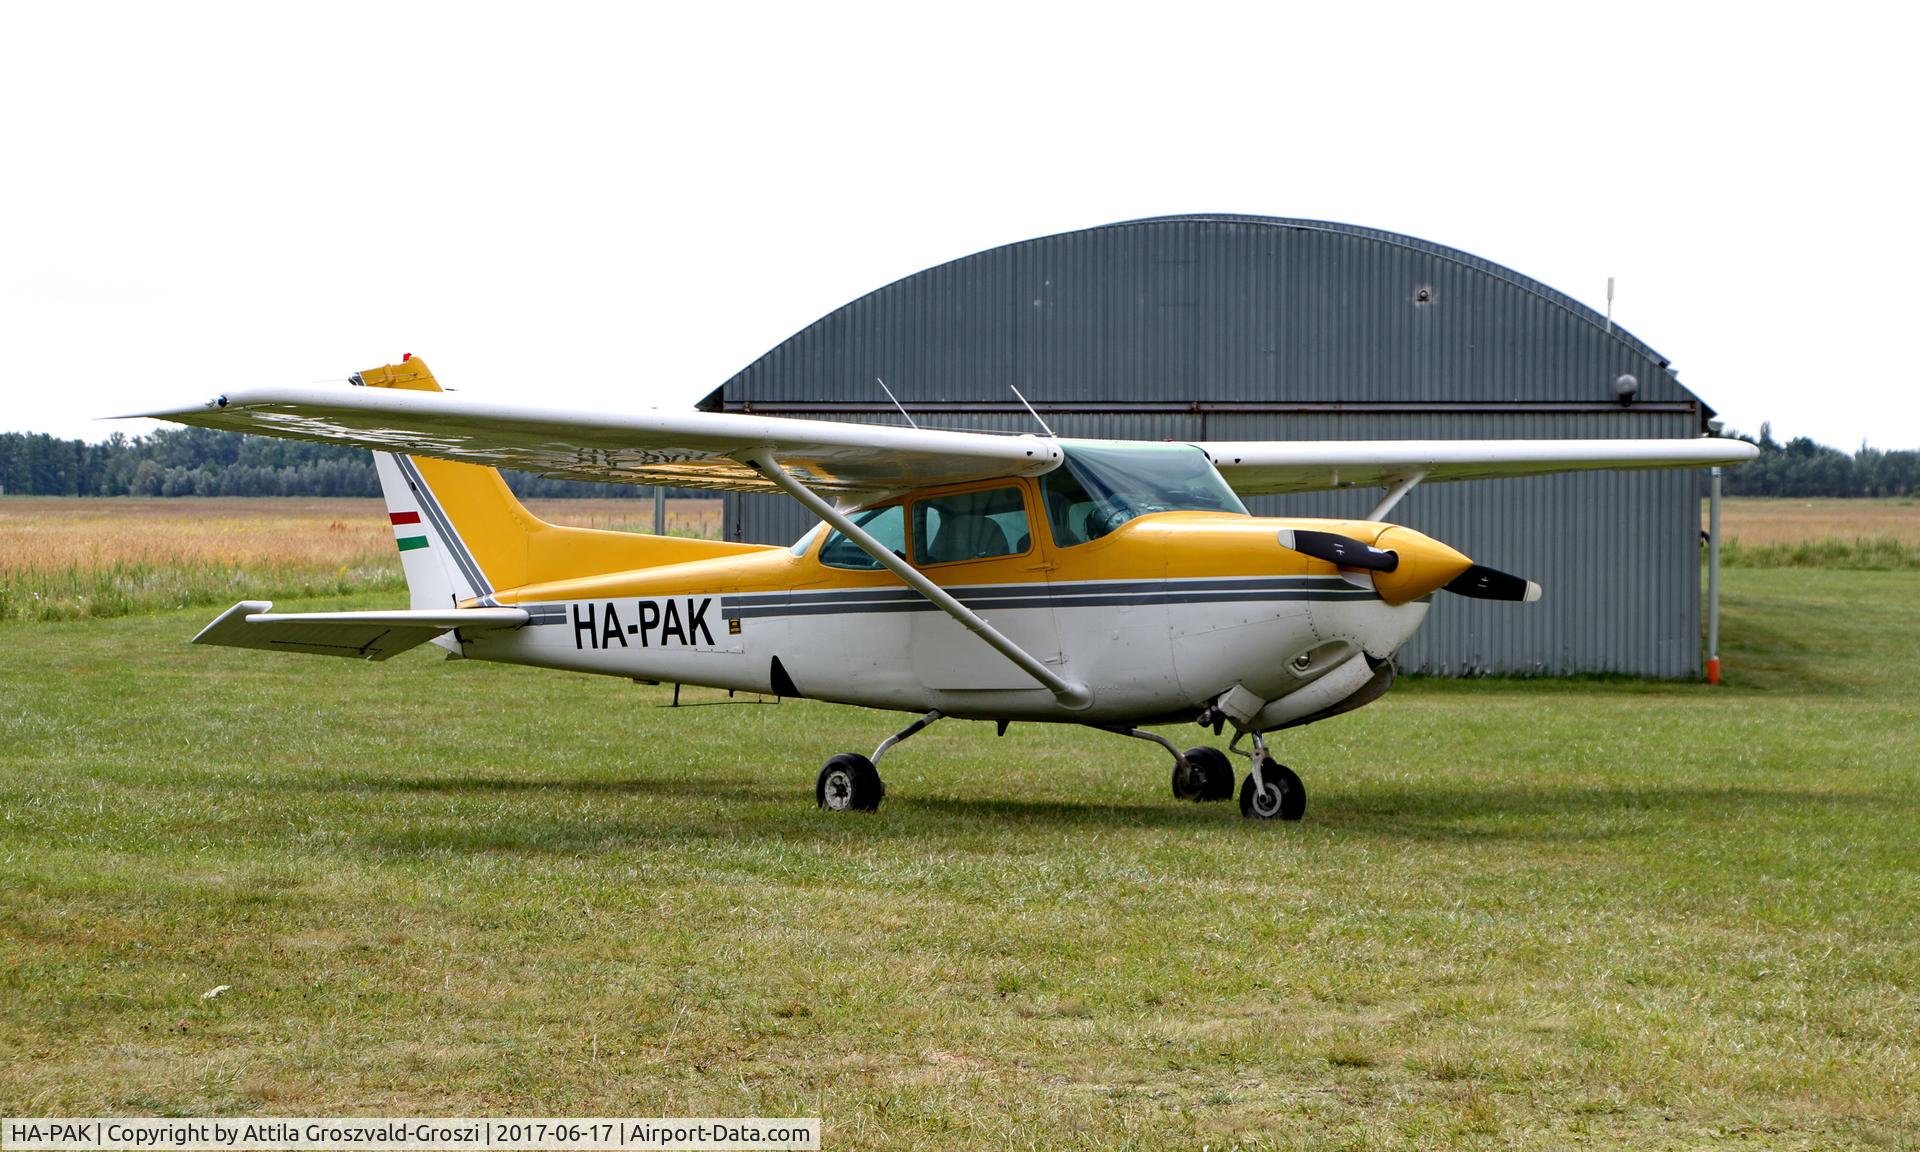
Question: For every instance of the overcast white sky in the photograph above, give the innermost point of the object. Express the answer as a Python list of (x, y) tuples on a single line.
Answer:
[(621, 206)]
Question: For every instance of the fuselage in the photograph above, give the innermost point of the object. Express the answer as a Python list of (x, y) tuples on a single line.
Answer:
[(1156, 616)]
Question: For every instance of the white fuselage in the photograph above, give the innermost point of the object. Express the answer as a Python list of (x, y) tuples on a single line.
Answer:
[(1147, 650)]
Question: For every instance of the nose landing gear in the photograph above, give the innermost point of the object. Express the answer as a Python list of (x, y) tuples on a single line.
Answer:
[(1274, 793), (1271, 791)]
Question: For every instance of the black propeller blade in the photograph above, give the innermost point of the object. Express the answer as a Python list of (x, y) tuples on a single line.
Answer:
[(1484, 583), (1337, 549)]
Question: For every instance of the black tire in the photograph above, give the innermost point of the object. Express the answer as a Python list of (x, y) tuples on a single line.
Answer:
[(1203, 774), (1284, 798), (849, 783)]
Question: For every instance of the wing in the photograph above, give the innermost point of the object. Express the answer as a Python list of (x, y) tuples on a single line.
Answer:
[(1256, 467), (679, 449), (362, 635)]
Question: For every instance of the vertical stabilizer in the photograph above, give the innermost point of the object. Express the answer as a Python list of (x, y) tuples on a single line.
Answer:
[(464, 537), (441, 571)]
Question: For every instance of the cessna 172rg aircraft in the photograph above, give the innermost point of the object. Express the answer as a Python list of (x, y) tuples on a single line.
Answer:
[(1115, 584)]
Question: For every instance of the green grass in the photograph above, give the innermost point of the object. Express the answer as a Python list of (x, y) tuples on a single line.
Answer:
[(1877, 553), (126, 588), (1519, 914)]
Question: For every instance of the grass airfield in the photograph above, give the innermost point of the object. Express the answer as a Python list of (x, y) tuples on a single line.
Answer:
[(1518, 914)]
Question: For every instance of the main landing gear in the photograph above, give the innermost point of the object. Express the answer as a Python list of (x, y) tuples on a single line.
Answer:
[(851, 782)]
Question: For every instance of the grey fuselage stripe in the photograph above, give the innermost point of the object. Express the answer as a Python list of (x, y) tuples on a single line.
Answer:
[(1085, 594), (430, 504), (728, 612), (1047, 590)]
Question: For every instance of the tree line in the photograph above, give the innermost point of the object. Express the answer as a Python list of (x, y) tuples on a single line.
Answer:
[(1801, 467), (207, 462)]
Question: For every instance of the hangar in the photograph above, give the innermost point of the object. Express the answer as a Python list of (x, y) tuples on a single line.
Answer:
[(1221, 327)]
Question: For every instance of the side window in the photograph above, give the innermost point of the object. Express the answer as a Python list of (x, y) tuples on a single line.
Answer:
[(887, 525), (970, 526)]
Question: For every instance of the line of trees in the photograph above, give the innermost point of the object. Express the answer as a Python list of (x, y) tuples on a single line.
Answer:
[(207, 462), (1801, 467)]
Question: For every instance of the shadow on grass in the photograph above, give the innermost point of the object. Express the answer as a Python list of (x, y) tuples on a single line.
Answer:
[(768, 811)]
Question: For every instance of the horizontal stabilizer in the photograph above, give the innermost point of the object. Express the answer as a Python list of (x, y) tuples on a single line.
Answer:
[(362, 635)]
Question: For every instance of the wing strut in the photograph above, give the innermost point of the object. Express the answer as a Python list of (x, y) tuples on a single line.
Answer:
[(1394, 494), (1069, 693)]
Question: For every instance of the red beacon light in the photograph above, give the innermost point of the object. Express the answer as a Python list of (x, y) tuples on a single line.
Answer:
[(405, 356)]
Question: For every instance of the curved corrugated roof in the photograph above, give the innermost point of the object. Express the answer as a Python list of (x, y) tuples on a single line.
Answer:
[(1202, 304), (1413, 243)]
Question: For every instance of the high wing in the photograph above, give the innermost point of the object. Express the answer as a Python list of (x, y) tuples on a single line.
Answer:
[(1257, 467), (361, 635), (719, 450), (677, 449)]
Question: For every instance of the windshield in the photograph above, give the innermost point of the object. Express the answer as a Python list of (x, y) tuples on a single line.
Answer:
[(1102, 486)]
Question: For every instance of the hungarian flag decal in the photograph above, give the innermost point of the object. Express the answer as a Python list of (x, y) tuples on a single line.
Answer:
[(408, 543)]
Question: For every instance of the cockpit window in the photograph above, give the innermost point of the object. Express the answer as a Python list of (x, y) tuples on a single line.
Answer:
[(1100, 487)]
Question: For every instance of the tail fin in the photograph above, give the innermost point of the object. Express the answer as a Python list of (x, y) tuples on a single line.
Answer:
[(465, 538)]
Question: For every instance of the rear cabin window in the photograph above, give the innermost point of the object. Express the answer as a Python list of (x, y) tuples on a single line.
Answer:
[(970, 526), (888, 525)]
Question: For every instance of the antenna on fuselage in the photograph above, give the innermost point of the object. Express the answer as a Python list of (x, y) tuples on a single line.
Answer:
[(895, 399), (1032, 413)]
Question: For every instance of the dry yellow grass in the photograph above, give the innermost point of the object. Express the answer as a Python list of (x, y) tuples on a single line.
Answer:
[(42, 534), (63, 558), (1765, 521), (51, 534)]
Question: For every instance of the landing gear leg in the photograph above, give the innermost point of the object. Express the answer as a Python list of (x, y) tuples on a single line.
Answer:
[(1271, 791), (1198, 773), (851, 782)]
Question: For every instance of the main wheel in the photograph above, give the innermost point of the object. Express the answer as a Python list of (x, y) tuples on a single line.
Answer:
[(1203, 774), (849, 783), (1283, 796)]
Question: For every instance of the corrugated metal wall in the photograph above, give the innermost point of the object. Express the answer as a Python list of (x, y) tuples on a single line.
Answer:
[(1229, 328)]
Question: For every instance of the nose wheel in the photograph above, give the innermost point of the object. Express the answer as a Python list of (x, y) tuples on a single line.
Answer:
[(1272, 791)]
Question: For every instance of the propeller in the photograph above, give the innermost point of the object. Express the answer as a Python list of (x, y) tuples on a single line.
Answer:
[(1483, 583), (1334, 548), (1415, 566)]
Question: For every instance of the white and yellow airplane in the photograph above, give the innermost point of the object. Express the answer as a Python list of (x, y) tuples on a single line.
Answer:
[(1115, 584)]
